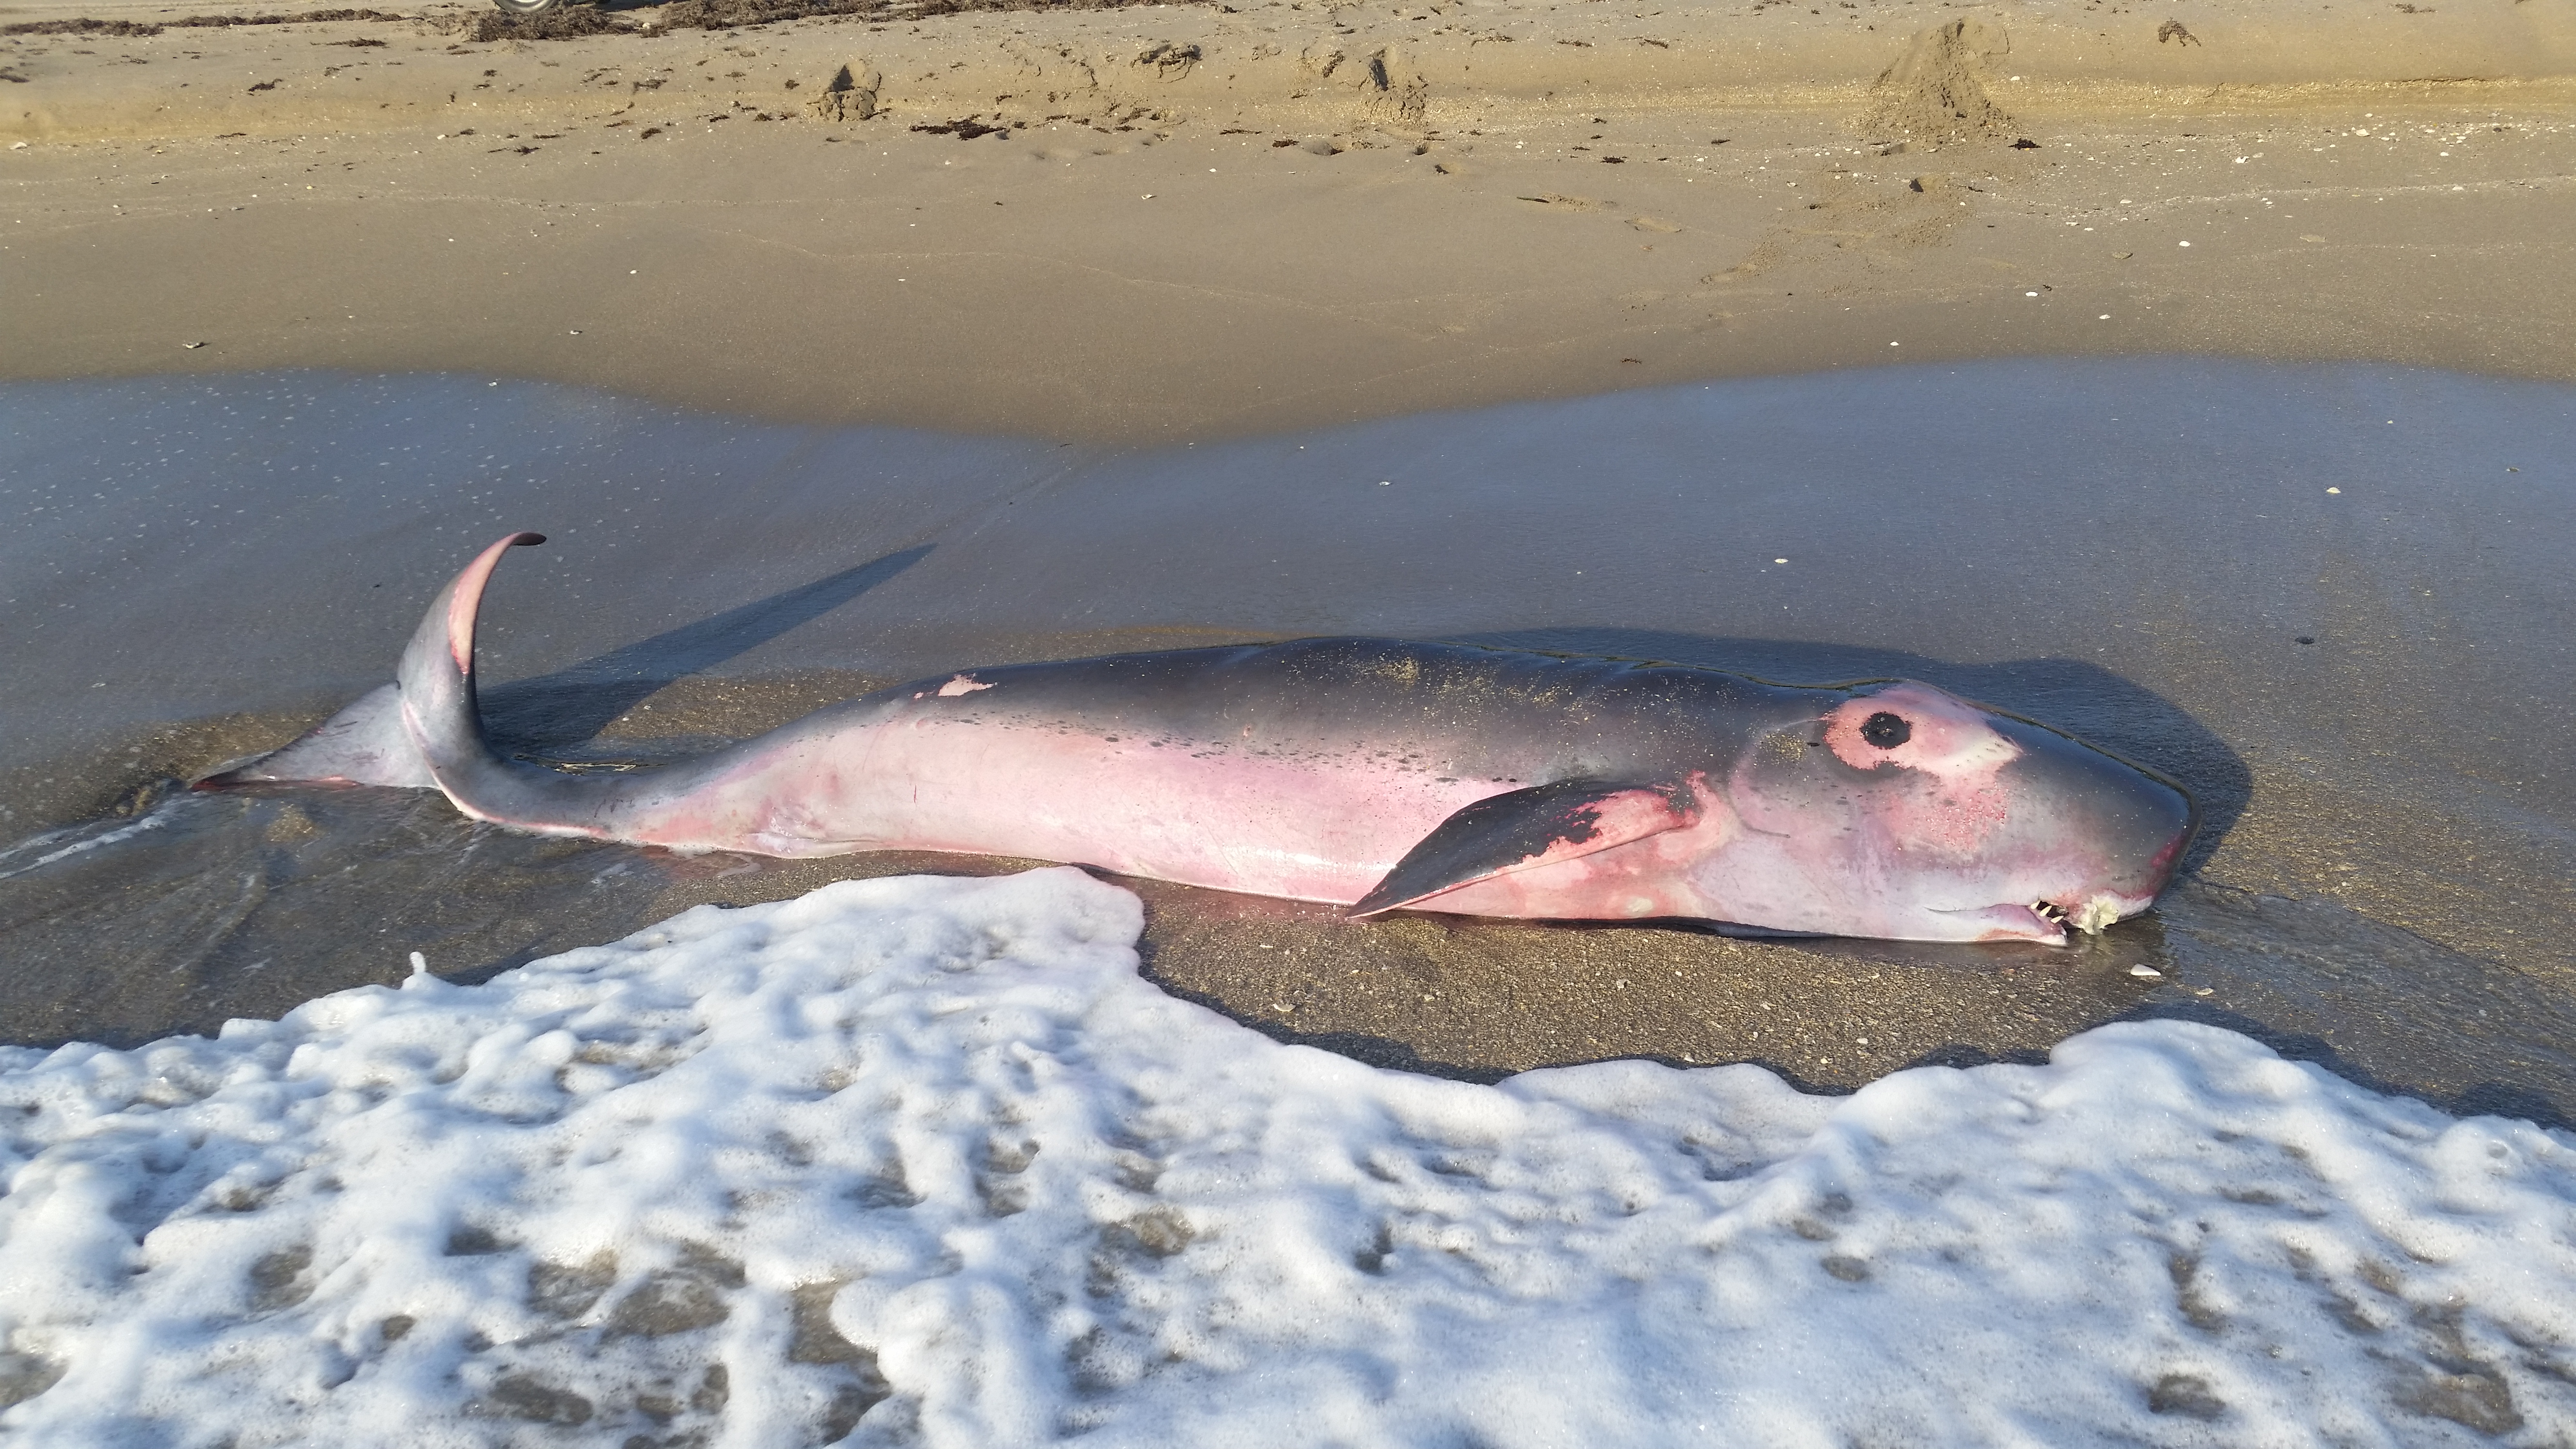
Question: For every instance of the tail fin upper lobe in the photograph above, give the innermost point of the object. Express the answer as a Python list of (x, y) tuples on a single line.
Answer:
[(436, 677)]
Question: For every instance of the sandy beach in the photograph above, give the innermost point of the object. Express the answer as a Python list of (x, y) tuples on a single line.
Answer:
[(2194, 379), (1067, 224)]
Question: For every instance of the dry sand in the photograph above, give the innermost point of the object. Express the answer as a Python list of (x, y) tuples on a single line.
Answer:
[(1196, 221)]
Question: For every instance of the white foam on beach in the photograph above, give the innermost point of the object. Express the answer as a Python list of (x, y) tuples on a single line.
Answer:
[(924, 1161)]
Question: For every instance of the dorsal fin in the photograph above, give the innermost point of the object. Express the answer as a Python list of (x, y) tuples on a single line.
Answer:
[(1521, 829)]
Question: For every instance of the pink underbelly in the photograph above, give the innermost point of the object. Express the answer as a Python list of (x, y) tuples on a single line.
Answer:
[(1318, 830)]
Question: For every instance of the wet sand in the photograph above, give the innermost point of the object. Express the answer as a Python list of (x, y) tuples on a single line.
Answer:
[(2331, 600), (1160, 223)]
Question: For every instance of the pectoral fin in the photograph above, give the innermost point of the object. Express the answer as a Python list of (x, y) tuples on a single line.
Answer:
[(1538, 826)]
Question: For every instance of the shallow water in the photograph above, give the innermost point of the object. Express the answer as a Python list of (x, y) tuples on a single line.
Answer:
[(2365, 687)]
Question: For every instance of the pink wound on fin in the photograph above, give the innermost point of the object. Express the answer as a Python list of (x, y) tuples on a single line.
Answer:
[(962, 684), (465, 596)]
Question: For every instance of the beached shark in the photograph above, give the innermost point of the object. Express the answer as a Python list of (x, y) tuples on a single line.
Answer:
[(1377, 774)]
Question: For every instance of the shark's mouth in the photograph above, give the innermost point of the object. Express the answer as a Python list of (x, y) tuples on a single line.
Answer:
[(2052, 922)]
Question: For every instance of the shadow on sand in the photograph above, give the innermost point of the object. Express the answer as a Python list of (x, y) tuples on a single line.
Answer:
[(575, 702)]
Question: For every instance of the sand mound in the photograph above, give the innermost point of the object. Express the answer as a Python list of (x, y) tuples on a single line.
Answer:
[(1934, 92)]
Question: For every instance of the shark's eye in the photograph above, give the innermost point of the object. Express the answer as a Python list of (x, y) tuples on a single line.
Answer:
[(1885, 730)]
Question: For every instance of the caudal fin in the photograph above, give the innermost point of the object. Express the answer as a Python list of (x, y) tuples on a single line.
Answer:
[(426, 729), (421, 732), (439, 709)]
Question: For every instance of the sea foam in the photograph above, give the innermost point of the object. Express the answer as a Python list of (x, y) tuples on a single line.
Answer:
[(924, 1161)]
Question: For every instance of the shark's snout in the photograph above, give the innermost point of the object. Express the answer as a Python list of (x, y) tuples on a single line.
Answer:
[(2111, 834)]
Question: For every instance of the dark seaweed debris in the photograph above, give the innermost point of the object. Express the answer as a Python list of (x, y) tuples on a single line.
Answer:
[(82, 26), (570, 22), (308, 17), (963, 130), (564, 22), (87, 26), (726, 14)]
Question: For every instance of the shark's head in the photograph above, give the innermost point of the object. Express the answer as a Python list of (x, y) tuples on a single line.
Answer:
[(1903, 811)]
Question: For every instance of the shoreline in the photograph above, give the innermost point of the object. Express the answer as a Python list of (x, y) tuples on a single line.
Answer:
[(2326, 600)]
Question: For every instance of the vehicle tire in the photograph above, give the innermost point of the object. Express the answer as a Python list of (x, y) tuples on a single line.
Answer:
[(528, 7)]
